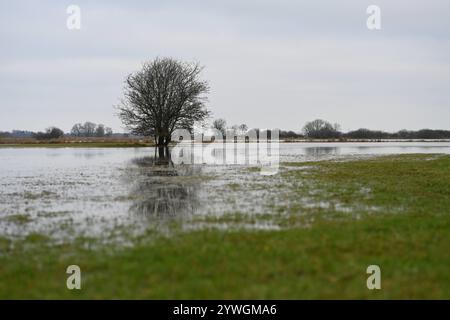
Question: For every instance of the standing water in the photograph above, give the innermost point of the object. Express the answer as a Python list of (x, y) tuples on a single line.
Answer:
[(69, 192)]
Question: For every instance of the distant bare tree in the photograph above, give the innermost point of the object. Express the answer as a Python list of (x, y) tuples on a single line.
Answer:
[(321, 129), (165, 95), (108, 131), (100, 130), (243, 128), (89, 129), (77, 130), (221, 126), (54, 132), (50, 133), (235, 129), (337, 127)]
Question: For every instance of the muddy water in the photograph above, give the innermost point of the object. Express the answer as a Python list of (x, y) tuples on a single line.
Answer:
[(104, 193)]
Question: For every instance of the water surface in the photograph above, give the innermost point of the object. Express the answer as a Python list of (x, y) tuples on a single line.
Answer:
[(68, 192)]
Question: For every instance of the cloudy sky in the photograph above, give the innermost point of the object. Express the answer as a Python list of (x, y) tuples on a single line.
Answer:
[(270, 63)]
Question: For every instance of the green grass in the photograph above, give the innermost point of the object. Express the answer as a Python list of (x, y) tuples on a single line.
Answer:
[(413, 184), (399, 220), (19, 218)]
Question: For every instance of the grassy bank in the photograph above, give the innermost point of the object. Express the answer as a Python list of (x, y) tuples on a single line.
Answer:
[(79, 145), (390, 211), (108, 142)]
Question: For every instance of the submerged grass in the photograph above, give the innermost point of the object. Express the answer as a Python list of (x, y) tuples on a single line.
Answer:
[(407, 236), (19, 218)]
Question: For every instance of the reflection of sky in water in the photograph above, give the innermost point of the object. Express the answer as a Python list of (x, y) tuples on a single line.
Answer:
[(70, 191), (319, 151)]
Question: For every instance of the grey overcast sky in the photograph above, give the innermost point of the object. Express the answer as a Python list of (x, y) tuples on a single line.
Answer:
[(270, 63)]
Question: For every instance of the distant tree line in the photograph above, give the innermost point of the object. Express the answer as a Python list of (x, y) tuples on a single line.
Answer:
[(316, 129), (221, 126), (290, 135), (90, 129), (321, 129), (50, 133), (402, 134), (16, 134)]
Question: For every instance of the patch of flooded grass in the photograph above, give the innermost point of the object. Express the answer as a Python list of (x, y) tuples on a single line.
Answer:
[(392, 184), (39, 195), (234, 186), (36, 238), (253, 169), (19, 218), (52, 214)]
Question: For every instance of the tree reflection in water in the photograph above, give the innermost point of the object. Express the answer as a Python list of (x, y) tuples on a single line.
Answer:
[(160, 190)]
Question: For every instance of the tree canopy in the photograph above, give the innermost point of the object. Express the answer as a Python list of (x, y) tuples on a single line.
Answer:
[(165, 95), (321, 129)]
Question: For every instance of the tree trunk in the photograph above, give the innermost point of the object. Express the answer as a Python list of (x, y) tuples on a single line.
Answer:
[(160, 141), (161, 150), (163, 141)]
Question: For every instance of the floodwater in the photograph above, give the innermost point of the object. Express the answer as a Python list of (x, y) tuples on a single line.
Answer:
[(105, 193)]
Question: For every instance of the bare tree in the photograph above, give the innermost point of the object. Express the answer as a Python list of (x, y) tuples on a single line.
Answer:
[(108, 131), (243, 128), (234, 130), (221, 126), (165, 95), (77, 130), (89, 129), (321, 129), (50, 133), (100, 130)]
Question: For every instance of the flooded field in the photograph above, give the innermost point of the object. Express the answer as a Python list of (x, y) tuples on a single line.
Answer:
[(104, 193)]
